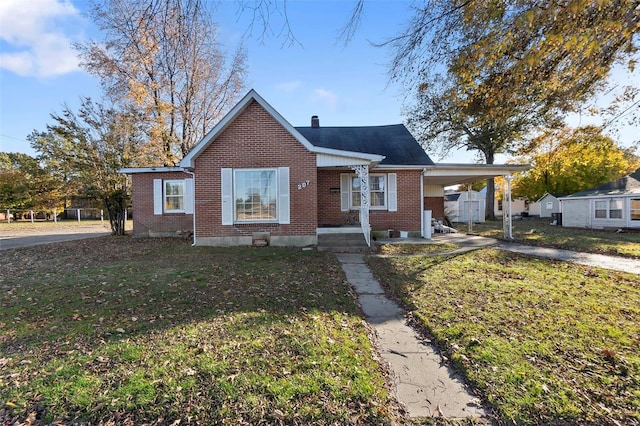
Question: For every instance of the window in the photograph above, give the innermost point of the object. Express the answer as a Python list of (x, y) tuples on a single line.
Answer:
[(174, 196), (377, 192), (608, 209), (255, 193), (601, 209), (635, 209), (499, 205), (615, 209)]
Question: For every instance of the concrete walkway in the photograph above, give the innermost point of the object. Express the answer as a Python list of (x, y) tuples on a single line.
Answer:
[(470, 242), (423, 382)]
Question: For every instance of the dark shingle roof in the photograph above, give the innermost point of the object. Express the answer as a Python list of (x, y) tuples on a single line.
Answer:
[(629, 184), (394, 142)]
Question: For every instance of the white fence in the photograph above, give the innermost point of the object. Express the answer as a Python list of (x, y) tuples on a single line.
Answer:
[(13, 215)]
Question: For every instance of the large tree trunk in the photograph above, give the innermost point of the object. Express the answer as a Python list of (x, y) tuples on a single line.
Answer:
[(490, 213), (116, 205)]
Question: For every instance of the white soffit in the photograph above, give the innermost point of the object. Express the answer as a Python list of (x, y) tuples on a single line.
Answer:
[(327, 160)]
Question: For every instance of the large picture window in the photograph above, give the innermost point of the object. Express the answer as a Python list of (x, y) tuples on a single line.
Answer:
[(174, 196), (256, 194), (635, 209), (377, 192), (608, 209)]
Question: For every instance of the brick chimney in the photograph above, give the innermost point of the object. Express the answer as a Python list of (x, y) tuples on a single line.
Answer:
[(315, 121)]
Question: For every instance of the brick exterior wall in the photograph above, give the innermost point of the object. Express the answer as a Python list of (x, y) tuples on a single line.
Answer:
[(407, 218), (255, 140), (436, 205), (145, 223)]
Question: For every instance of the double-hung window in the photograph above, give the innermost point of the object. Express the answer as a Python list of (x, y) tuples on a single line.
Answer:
[(377, 192), (172, 196), (382, 192), (608, 209), (174, 191), (256, 195)]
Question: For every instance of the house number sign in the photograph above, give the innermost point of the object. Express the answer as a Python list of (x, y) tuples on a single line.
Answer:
[(304, 184)]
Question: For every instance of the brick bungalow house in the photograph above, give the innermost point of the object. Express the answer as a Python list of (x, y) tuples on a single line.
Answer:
[(254, 176)]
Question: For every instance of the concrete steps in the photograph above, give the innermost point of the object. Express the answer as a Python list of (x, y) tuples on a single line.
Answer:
[(343, 243)]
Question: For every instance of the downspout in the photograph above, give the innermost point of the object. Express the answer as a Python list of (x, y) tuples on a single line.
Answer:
[(422, 203), (193, 176)]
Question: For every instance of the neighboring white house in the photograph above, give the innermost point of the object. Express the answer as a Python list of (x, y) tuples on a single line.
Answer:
[(518, 205), (614, 204), (549, 203), (459, 206), (534, 209)]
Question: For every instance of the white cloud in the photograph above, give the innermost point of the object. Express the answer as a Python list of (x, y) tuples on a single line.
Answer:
[(35, 33), (289, 86), (329, 98)]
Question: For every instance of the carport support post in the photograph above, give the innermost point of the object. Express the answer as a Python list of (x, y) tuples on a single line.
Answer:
[(506, 209)]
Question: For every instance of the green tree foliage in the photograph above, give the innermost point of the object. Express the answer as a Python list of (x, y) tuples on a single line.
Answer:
[(88, 148), (572, 160), (161, 57), (25, 184)]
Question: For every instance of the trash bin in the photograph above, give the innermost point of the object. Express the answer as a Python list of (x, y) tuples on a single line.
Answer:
[(557, 217)]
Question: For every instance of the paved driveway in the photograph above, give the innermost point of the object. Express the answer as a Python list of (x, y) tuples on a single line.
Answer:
[(37, 235)]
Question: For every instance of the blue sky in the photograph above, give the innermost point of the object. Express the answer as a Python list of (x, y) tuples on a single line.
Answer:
[(344, 85)]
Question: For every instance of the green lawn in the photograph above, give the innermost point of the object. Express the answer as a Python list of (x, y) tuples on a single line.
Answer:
[(544, 342), (155, 331), (539, 232)]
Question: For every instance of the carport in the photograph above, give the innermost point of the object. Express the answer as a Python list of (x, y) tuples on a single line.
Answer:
[(437, 177)]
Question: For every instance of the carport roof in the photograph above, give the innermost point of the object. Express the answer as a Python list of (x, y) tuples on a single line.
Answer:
[(455, 174)]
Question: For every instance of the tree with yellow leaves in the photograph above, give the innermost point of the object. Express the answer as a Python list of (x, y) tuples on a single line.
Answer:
[(571, 160)]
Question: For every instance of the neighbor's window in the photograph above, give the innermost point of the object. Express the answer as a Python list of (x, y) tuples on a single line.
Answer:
[(174, 196), (601, 209), (608, 209), (256, 194), (615, 209), (635, 209), (377, 192)]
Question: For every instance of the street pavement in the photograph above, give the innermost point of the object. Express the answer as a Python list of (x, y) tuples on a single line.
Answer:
[(50, 234)]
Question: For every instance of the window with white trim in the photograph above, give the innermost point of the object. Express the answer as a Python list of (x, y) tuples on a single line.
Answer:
[(377, 192), (635, 209), (255, 192), (174, 192), (608, 209)]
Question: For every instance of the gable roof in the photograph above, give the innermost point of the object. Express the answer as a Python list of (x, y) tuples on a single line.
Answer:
[(393, 141), (188, 161), (555, 195), (629, 184)]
